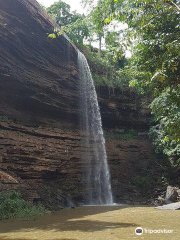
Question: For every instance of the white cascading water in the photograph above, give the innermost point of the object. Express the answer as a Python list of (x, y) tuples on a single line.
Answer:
[(97, 174)]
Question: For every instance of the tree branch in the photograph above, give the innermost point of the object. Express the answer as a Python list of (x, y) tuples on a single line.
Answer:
[(175, 6)]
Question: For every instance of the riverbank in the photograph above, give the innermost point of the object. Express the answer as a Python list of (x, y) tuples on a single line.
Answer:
[(97, 223)]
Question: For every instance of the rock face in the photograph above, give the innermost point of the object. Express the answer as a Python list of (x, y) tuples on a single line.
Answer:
[(39, 135), (124, 110), (135, 172), (38, 75), (40, 144)]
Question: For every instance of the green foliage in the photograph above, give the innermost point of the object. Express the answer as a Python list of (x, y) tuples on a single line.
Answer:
[(60, 11), (78, 29), (104, 69), (73, 23), (104, 64), (12, 206), (164, 144), (97, 16), (166, 108), (116, 135)]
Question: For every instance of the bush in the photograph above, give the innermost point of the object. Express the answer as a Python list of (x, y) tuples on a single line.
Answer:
[(12, 206), (104, 69), (127, 135)]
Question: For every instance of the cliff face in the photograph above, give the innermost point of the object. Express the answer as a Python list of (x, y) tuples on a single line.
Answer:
[(38, 75), (132, 160), (40, 143), (39, 134)]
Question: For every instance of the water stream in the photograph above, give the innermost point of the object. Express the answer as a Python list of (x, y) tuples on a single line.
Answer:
[(97, 170)]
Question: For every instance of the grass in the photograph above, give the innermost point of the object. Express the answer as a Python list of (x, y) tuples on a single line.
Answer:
[(13, 206)]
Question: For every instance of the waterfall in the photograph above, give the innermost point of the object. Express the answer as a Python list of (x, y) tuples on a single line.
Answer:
[(97, 170)]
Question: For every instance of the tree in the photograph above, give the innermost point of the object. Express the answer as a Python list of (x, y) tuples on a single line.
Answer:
[(73, 23), (153, 33), (60, 11), (157, 68), (98, 16), (78, 30)]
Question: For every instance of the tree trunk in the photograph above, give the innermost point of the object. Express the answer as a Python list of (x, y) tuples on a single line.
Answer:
[(100, 44)]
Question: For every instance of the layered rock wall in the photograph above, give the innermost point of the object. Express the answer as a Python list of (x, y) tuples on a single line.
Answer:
[(39, 137), (132, 160)]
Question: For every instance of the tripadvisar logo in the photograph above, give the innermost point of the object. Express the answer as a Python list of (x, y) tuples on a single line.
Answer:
[(139, 231)]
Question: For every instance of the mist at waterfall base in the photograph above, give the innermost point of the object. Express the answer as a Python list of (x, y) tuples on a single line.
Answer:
[(97, 175)]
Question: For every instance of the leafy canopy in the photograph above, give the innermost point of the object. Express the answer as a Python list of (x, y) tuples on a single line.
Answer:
[(71, 22)]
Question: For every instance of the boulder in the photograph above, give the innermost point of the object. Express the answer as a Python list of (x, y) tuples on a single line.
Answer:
[(171, 206), (171, 194)]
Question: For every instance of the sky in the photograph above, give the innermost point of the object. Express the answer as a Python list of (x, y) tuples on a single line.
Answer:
[(75, 4)]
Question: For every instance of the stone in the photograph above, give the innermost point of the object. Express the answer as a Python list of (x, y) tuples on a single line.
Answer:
[(178, 191), (161, 200), (171, 194), (171, 206)]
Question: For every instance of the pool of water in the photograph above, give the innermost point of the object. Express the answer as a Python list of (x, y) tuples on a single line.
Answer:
[(95, 223)]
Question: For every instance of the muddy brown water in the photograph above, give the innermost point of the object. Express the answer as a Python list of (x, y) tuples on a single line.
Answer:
[(95, 223)]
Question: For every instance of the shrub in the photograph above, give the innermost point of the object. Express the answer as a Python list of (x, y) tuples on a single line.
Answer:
[(127, 135), (12, 206)]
